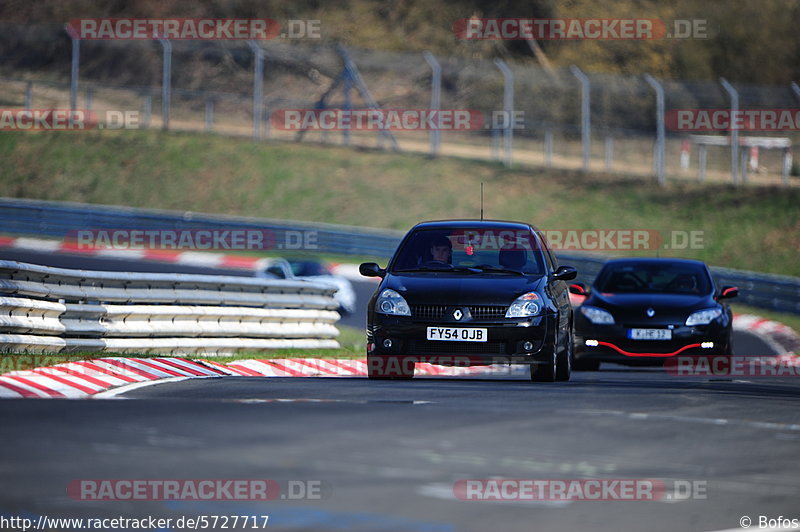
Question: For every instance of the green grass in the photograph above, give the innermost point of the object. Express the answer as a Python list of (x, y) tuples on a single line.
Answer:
[(754, 228)]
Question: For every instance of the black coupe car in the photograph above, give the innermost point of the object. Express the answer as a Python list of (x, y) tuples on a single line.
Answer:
[(470, 292), (644, 311)]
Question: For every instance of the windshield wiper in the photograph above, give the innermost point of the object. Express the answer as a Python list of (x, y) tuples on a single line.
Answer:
[(444, 268), (495, 269)]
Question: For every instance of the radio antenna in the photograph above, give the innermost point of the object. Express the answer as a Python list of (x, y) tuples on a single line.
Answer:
[(481, 200)]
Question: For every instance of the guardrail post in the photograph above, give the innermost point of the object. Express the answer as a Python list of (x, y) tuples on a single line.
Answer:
[(734, 132), (586, 119), (659, 161), (508, 109), (436, 94), (258, 87), (166, 83), (76, 59)]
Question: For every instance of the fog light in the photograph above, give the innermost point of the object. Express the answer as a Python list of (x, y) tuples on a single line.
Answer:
[(592, 343), (527, 346), (387, 343), (707, 345)]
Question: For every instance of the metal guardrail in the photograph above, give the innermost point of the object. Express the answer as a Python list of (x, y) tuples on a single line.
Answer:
[(57, 219), (63, 310)]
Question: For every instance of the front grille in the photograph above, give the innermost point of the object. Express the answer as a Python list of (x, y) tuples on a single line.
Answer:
[(428, 312), (427, 347), (478, 312), (488, 312)]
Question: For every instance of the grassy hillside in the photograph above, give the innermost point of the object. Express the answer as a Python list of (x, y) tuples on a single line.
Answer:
[(750, 228)]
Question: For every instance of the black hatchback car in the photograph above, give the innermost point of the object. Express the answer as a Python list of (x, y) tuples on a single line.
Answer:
[(645, 311), (468, 292)]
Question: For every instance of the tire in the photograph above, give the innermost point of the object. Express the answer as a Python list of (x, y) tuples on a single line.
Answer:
[(382, 368), (564, 363), (545, 372)]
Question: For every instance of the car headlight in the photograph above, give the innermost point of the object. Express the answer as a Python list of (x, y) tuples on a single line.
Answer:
[(597, 316), (524, 306), (390, 302), (703, 317)]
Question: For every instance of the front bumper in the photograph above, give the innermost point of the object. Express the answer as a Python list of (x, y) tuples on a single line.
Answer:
[(610, 343), (505, 342)]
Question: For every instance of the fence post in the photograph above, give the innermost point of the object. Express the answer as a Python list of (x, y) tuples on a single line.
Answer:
[(508, 108), (29, 95), (436, 95), (787, 165), (166, 83), (701, 162), (609, 151), (76, 59), (258, 87), (734, 132), (88, 99), (659, 162), (209, 118), (147, 109), (548, 147), (347, 86), (586, 120)]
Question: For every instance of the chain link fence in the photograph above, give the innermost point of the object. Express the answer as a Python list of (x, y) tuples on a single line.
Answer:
[(213, 85)]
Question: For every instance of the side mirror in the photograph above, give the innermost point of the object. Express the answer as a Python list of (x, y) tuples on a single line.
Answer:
[(579, 289), (565, 273), (728, 292), (371, 269)]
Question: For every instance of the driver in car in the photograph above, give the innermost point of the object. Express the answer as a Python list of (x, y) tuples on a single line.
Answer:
[(441, 250)]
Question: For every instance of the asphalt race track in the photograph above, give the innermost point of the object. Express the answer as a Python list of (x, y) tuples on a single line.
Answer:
[(385, 455)]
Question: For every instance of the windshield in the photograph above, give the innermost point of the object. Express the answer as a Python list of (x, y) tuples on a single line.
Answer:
[(308, 268), (661, 277), (489, 249)]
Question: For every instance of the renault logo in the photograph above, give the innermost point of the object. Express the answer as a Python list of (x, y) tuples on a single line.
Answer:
[(457, 314), (651, 312)]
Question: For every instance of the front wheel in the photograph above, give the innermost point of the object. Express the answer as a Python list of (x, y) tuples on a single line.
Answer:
[(564, 363), (545, 372)]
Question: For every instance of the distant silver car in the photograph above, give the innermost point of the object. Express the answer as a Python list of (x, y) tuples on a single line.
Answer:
[(314, 270), (311, 270)]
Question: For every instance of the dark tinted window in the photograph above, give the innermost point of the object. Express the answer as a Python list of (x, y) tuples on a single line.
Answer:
[(308, 268), (665, 277), (493, 247)]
